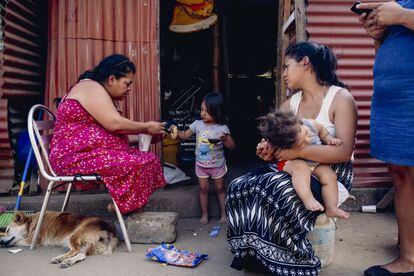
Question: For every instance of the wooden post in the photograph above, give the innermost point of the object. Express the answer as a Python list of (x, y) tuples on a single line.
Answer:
[(216, 58), (284, 12), (300, 20), (224, 58)]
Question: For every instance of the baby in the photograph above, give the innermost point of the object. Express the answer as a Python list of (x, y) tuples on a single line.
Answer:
[(284, 130)]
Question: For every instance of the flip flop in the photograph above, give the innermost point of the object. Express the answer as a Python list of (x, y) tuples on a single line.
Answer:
[(214, 231), (377, 270)]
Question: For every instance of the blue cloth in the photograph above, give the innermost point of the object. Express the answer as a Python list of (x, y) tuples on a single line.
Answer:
[(392, 108)]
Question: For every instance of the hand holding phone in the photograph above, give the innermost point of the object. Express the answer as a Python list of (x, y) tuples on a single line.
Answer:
[(360, 11)]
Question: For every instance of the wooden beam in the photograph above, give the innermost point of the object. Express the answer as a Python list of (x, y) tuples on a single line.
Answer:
[(300, 20), (285, 10), (215, 66)]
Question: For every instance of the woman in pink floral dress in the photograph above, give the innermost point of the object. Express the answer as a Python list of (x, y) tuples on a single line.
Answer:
[(91, 136)]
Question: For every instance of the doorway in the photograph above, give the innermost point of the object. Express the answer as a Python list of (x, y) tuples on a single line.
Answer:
[(248, 43)]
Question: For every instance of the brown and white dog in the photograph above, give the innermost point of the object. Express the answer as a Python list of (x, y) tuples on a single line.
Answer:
[(82, 235)]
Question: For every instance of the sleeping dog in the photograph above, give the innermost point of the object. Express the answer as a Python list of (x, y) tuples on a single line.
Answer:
[(82, 235)]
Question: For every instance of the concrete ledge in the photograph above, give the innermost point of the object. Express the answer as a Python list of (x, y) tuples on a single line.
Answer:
[(364, 196), (90, 204), (182, 200)]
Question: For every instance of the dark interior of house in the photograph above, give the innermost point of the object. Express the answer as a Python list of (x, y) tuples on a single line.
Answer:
[(248, 44)]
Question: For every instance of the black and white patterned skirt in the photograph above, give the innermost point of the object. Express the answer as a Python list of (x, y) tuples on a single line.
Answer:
[(268, 222)]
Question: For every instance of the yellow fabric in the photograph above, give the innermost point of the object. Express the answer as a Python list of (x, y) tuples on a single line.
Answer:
[(197, 8), (203, 11), (181, 17), (197, 13)]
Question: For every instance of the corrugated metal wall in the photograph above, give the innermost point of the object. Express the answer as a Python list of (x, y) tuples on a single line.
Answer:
[(20, 70), (6, 157), (331, 22), (21, 77), (82, 32)]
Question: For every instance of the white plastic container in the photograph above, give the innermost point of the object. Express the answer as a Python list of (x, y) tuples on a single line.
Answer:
[(369, 209), (322, 238)]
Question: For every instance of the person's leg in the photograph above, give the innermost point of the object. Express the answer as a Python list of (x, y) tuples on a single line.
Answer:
[(403, 179), (301, 172), (204, 187), (221, 194), (327, 178)]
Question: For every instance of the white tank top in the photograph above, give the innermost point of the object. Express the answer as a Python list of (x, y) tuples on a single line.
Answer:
[(323, 116)]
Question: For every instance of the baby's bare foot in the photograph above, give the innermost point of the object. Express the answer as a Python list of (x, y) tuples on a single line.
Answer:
[(336, 213), (203, 220), (313, 205), (223, 220)]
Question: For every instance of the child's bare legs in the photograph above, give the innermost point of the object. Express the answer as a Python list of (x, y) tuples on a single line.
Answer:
[(327, 177), (221, 194), (204, 187), (301, 173)]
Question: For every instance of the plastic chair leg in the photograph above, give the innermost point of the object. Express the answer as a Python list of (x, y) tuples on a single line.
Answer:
[(42, 215), (123, 227), (67, 196)]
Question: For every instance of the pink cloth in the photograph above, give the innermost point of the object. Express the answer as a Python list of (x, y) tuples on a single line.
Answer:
[(81, 145)]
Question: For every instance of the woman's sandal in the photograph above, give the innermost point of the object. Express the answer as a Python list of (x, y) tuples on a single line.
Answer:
[(377, 270)]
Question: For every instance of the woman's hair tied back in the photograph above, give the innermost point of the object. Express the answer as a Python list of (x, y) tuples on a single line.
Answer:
[(116, 64), (321, 58)]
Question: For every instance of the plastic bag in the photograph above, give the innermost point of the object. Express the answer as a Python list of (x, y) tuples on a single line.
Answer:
[(173, 174), (167, 253)]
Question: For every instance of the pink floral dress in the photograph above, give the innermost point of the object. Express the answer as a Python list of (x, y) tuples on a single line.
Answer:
[(81, 145)]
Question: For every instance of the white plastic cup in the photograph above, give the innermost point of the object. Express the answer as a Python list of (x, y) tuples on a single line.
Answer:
[(144, 141), (369, 209)]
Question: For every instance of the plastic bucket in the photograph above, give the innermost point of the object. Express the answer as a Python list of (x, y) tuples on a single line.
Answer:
[(322, 238), (170, 150)]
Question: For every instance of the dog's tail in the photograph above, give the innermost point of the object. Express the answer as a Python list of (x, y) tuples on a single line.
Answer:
[(112, 243)]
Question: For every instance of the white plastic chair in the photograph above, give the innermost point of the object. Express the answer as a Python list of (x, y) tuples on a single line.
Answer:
[(41, 133)]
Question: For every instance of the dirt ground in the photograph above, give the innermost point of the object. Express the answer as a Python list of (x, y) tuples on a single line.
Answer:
[(361, 241)]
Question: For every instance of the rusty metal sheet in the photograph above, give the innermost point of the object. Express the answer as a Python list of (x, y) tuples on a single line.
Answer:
[(20, 70), (82, 32), (6, 157), (331, 22), (21, 75)]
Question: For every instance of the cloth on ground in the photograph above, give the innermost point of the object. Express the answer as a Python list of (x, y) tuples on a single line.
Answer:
[(173, 174)]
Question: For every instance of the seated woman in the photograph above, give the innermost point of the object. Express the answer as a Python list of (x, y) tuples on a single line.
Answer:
[(91, 136), (268, 223)]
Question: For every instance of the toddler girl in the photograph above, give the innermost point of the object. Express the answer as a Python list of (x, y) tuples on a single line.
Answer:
[(211, 135)]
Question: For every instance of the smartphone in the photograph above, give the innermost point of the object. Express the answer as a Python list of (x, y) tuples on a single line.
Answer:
[(169, 124), (359, 11)]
